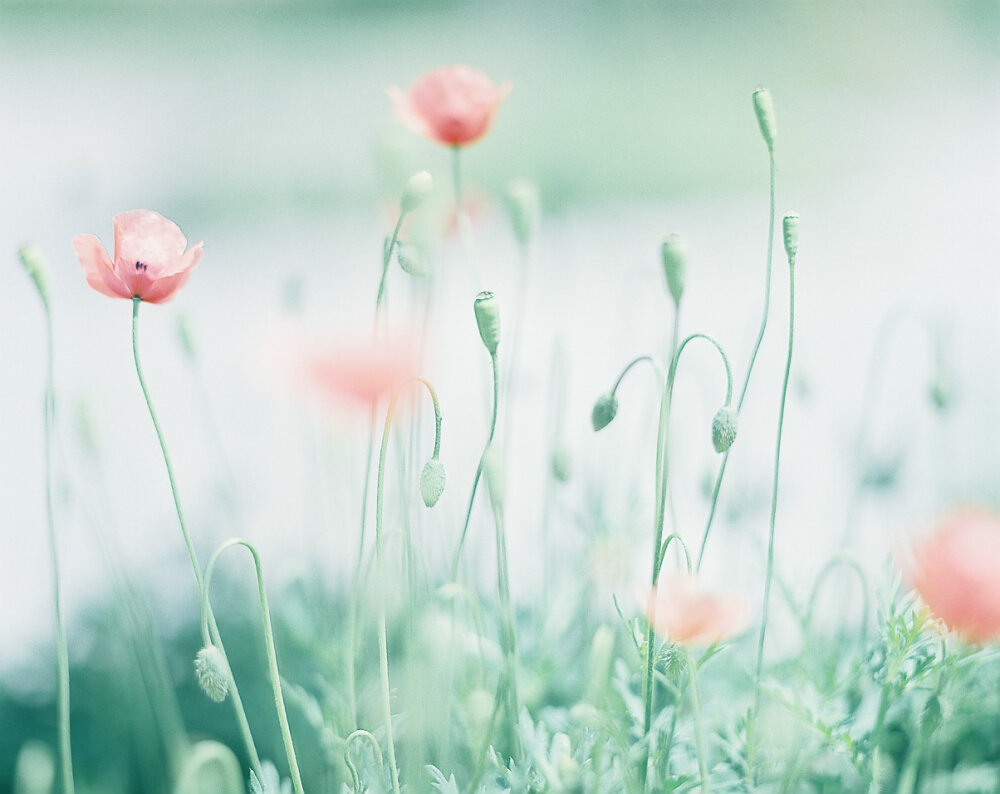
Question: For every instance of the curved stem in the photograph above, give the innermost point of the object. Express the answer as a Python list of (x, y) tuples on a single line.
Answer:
[(847, 561), (722, 353), (663, 553), (355, 777), (62, 650), (379, 500), (240, 712), (774, 510), (272, 659), (479, 467), (753, 358), (660, 375), (386, 261)]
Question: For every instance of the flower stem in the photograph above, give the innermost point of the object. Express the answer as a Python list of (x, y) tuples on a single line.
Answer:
[(479, 468), (240, 712), (62, 650), (699, 728), (753, 358), (383, 649), (769, 573), (272, 659)]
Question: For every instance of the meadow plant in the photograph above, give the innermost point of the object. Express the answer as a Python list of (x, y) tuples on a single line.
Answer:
[(477, 692)]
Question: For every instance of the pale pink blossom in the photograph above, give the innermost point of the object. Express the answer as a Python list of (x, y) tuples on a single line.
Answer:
[(149, 262), (680, 610), (956, 571), (453, 105), (359, 372)]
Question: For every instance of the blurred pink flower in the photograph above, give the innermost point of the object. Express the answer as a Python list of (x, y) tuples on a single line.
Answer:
[(452, 105), (681, 611), (956, 571), (150, 261), (361, 373)]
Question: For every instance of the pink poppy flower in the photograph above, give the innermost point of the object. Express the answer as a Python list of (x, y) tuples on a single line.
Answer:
[(681, 611), (360, 373), (453, 105), (150, 261), (956, 571)]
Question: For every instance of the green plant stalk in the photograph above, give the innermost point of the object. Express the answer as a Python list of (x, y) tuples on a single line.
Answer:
[(662, 445), (769, 573), (272, 659), (241, 717), (508, 635), (352, 621), (479, 468), (62, 650), (699, 728), (383, 648), (753, 359)]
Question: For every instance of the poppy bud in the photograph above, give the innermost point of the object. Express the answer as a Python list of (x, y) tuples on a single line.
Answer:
[(37, 268), (561, 464), (790, 227), (412, 260), (604, 411), (674, 265), (416, 191), (488, 319), (212, 672), (724, 429), (522, 201), (432, 481), (763, 107)]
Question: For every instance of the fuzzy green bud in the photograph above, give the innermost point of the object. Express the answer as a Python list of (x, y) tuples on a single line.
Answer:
[(763, 107), (604, 411), (488, 319), (34, 768), (37, 268), (524, 207), (790, 229), (674, 261), (562, 465), (432, 481), (416, 191), (212, 672), (724, 428), (210, 768), (412, 260)]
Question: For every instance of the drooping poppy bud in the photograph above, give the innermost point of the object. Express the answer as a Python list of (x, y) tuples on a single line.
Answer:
[(415, 192), (432, 481), (604, 411), (212, 672), (488, 319), (724, 428)]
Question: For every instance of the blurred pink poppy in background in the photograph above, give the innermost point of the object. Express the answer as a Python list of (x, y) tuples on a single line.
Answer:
[(361, 373), (452, 105), (680, 610), (150, 261), (956, 571)]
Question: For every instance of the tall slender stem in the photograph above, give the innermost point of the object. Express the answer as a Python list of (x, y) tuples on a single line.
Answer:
[(240, 712), (769, 573), (272, 659), (383, 648), (699, 728), (753, 358), (479, 467), (62, 650)]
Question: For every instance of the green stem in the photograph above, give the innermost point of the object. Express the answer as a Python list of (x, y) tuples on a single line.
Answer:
[(508, 636), (699, 728), (62, 650), (769, 573), (386, 261), (479, 468), (240, 712), (753, 359), (272, 659), (662, 446), (850, 562), (379, 503)]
